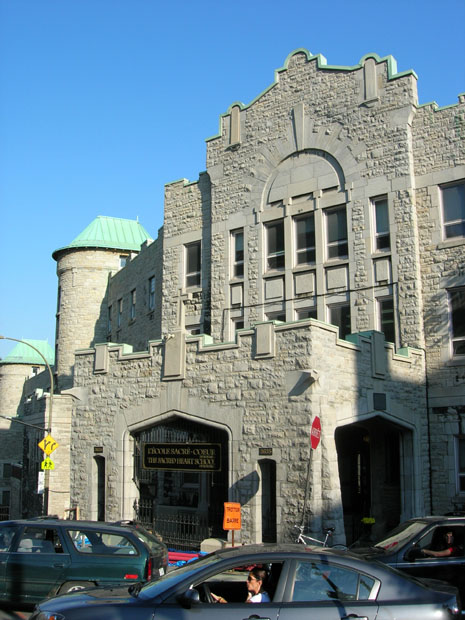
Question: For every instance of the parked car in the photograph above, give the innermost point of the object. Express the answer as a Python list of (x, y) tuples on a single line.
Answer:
[(44, 557), (301, 583), (403, 549)]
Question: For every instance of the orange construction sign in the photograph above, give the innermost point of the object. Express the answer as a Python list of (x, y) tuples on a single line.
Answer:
[(232, 516)]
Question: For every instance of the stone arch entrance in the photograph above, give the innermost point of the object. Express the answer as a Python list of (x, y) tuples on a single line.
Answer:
[(375, 471), (181, 472)]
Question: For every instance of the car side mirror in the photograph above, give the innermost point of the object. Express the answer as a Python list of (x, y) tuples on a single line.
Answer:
[(413, 554), (188, 598)]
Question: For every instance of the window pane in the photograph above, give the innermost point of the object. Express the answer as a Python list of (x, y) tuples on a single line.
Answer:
[(382, 219), (275, 235), (275, 245), (454, 202), (337, 225), (386, 319), (305, 239), (322, 582), (340, 316), (193, 257)]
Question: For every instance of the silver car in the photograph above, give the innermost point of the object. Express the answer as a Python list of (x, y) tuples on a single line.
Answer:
[(296, 583)]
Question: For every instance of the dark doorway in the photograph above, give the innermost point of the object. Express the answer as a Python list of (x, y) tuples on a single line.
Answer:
[(369, 461), (184, 506), (268, 499), (100, 466)]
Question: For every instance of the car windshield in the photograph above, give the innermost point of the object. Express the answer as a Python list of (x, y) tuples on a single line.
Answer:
[(171, 579), (400, 535)]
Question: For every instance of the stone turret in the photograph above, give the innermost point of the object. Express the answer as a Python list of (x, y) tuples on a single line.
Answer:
[(83, 269)]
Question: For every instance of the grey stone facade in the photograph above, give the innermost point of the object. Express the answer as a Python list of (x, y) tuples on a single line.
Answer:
[(319, 215)]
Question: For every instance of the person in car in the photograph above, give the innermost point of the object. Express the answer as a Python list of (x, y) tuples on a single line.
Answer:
[(449, 547), (255, 586)]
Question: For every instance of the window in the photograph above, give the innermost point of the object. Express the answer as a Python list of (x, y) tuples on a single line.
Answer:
[(460, 463), (238, 253), (305, 239), (109, 320), (193, 264), (39, 540), (132, 308), (336, 233), (453, 210), (457, 320), (151, 301), (381, 215), (306, 313), (237, 323), (6, 470), (103, 543), (321, 581), (275, 245), (386, 318), (340, 315), (5, 498), (276, 316), (120, 313), (123, 260)]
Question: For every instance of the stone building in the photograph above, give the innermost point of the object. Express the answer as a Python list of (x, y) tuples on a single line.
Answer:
[(315, 270)]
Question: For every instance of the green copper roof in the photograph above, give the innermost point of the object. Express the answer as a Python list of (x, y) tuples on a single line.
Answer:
[(112, 233), (24, 354)]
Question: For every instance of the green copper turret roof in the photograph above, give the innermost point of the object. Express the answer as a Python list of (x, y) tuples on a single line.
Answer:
[(110, 233), (24, 354)]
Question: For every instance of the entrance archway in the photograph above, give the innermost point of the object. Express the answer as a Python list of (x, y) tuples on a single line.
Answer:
[(373, 461), (181, 471)]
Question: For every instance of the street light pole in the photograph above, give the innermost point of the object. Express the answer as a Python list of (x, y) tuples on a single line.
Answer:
[(50, 413)]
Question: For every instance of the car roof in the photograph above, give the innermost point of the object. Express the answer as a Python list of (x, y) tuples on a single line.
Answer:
[(458, 518), (281, 549), (97, 525)]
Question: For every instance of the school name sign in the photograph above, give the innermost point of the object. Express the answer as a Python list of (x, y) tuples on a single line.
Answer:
[(181, 456)]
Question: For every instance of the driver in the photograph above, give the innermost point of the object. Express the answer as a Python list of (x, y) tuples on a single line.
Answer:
[(449, 547), (255, 588)]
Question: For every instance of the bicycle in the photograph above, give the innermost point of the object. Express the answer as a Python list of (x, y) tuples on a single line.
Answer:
[(305, 539)]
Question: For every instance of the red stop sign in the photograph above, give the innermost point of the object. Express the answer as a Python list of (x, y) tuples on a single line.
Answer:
[(315, 433)]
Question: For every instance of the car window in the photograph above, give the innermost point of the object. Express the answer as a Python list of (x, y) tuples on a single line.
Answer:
[(321, 581), (401, 534), (435, 540), (39, 540), (7, 533), (102, 543)]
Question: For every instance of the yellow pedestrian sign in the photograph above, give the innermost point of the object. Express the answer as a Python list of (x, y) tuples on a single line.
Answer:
[(48, 445), (47, 464)]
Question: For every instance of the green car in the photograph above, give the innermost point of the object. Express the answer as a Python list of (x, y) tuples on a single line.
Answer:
[(44, 556)]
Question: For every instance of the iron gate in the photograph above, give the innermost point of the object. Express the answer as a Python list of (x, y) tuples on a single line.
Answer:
[(184, 507)]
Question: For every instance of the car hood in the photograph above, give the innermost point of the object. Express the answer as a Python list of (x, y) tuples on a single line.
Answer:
[(89, 597)]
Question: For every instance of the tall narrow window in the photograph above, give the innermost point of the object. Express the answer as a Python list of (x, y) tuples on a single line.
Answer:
[(340, 315), (336, 233), (457, 320), (132, 307), (237, 239), (381, 217), (193, 264), (275, 245), (453, 210), (151, 300), (123, 260), (109, 320), (460, 463), (119, 318), (305, 239), (386, 318)]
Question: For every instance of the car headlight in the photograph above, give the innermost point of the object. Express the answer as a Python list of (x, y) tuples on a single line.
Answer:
[(46, 615)]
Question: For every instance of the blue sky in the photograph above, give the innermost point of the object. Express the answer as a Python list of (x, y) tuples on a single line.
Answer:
[(103, 102)]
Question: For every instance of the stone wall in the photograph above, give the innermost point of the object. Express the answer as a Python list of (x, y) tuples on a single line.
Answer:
[(259, 400)]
